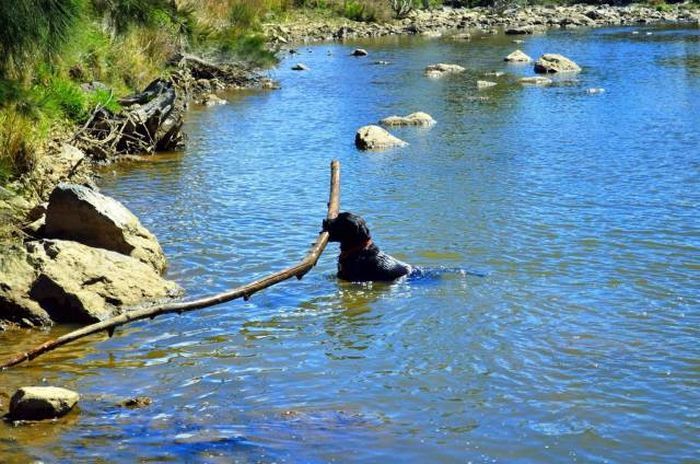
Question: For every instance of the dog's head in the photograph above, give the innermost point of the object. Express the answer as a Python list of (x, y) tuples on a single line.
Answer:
[(347, 228)]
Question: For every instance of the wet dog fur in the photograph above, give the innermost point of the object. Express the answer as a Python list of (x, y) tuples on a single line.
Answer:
[(360, 260)]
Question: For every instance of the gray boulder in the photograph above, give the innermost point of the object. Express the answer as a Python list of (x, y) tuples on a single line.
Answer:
[(76, 283), (78, 213), (555, 63), (38, 403), (376, 138)]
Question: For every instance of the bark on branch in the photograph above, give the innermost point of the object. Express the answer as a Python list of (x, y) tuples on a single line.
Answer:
[(245, 291)]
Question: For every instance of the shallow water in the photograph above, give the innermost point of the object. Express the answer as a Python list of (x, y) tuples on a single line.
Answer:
[(579, 345)]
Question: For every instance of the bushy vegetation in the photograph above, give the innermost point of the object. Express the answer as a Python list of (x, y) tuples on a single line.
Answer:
[(52, 50)]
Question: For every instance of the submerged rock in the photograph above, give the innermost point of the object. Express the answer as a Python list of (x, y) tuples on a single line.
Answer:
[(440, 69), (484, 84), (136, 402), (38, 403), (213, 100), (518, 56), (414, 119), (300, 67), (375, 138), (555, 63), (76, 283), (359, 52), (78, 213), (462, 36), (535, 80)]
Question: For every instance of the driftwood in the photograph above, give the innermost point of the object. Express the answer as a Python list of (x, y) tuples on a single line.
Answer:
[(150, 121), (245, 291)]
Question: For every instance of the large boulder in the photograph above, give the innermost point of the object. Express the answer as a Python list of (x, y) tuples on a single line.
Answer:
[(441, 69), (16, 277), (555, 63), (376, 138), (414, 119), (81, 214), (518, 56), (38, 403), (76, 283)]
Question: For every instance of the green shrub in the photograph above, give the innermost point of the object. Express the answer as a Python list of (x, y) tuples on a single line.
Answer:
[(17, 147), (33, 30)]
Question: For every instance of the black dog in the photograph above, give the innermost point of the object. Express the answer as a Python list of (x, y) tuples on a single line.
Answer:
[(360, 260)]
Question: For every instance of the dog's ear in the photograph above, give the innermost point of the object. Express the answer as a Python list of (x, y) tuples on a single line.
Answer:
[(324, 225), (361, 228)]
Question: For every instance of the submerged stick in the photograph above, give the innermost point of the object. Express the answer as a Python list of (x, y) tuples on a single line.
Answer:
[(299, 270)]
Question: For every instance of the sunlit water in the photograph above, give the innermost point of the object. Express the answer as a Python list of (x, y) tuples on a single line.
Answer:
[(580, 345)]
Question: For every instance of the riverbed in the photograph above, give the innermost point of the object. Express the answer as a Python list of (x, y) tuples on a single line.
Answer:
[(579, 343)]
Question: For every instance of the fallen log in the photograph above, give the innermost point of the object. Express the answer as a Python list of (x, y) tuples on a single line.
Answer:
[(299, 271)]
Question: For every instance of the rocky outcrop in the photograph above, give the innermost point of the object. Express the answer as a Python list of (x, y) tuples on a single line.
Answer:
[(518, 56), (376, 138), (555, 63), (78, 213), (414, 119), (80, 284), (38, 403), (441, 69)]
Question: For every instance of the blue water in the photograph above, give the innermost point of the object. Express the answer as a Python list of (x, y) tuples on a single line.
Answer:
[(580, 343)]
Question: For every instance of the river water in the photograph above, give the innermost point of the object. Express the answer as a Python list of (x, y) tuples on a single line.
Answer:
[(580, 344)]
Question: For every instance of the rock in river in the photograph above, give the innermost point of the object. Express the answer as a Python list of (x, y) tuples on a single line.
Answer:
[(484, 84), (37, 403), (440, 69), (535, 80), (518, 56), (300, 67), (376, 138), (414, 119), (359, 52), (78, 213), (76, 283), (555, 63)]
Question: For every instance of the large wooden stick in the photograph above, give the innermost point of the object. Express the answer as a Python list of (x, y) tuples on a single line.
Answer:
[(245, 291)]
